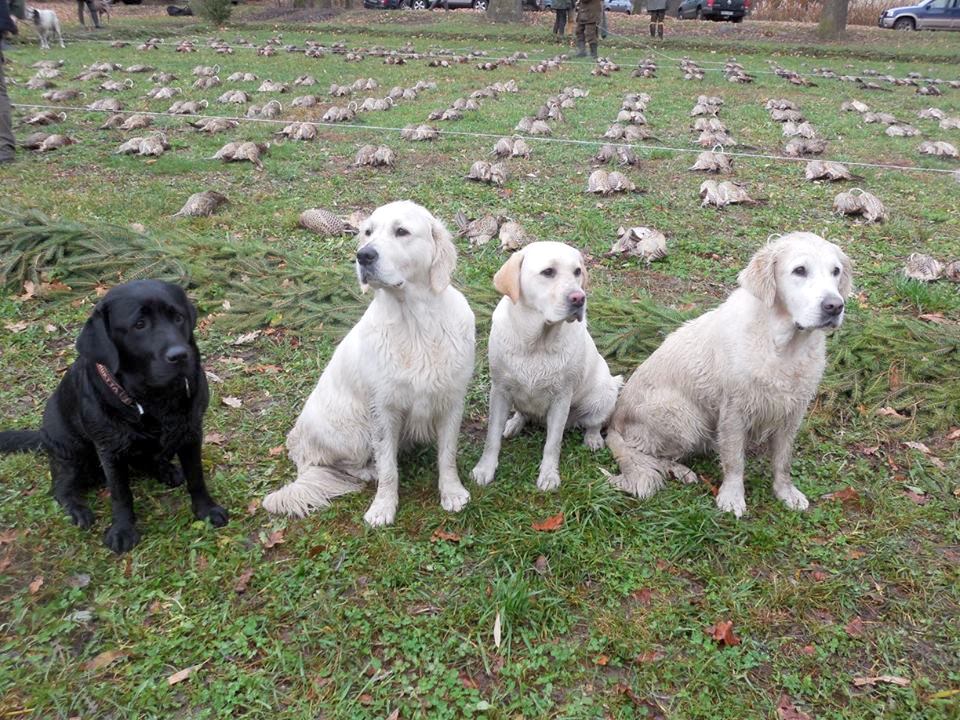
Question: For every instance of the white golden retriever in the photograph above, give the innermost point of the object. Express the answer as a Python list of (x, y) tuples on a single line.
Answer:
[(47, 24), (543, 361), (399, 376), (738, 375)]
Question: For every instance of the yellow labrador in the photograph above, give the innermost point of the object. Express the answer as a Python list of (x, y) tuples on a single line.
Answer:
[(399, 376), (741, 374), (543, 361)]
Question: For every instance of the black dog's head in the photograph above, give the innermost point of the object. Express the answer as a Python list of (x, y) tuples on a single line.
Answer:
[(143, 329)]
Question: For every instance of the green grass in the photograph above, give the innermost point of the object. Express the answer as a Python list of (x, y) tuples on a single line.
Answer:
[(608, 616)]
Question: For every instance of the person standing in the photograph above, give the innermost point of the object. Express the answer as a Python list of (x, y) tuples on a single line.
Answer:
[(657, 10), (8, 144), (93, 12), (561, 8), (588, 17)]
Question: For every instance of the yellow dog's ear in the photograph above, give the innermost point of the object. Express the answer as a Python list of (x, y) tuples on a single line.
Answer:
[(507, 279), (846, 275), (584, 275), (760, 276)]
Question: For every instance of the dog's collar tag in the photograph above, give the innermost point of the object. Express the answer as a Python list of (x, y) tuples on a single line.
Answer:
[(111, 382)]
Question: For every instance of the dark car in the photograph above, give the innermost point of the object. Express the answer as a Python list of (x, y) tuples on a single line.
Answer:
[(725, 10), (929, 15)]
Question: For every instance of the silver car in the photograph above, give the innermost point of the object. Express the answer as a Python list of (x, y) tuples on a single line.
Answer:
[(929, 15)]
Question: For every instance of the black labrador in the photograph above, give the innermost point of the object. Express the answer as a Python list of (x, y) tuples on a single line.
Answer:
[(134, 398)]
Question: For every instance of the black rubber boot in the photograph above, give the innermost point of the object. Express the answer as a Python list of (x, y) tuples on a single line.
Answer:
[(593, 50), (581, 49), (660, 30), (653, 30)]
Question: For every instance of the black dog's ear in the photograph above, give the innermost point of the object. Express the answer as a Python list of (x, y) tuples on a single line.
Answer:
[(185, 302), (94, 342)]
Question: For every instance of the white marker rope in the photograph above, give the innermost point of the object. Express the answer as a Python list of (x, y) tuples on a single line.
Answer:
[(463, 133)]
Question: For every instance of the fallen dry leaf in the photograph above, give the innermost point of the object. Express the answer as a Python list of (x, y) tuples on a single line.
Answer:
[(253, 506), (273, 539), (36, 584), (954, 434), (105, 658), (550, 524), (855, 627), (8, 536), (214, 438), (541, 565), (648, 656), (247, 338), (17, 327), (202, 563), (918, 446), (274, 451), (934, 318), (496, 631), (917, 498), (601, 660), (241, 585), (711, 486), (847, 496), (442, 534), (889, 679), (786, 710), (6, 561), (395, 715), (467, 681), (182, 675), (642, 596), (366, 699), (807, 650), (230, 401), (723, 633), (890, 412)]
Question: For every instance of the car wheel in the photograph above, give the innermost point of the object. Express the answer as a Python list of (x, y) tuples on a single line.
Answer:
[(419, 4), (480, 5), (905, 24), (699, 15)]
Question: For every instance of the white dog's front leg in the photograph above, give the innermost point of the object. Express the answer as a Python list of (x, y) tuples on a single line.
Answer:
[(59, 36), (549, 478), (453, 495), (781, 453), (731, 442), (383, 509), (486, 468)]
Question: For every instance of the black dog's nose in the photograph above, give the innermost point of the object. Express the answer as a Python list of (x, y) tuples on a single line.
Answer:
[(832, 306), (367, 255), (176, 354)]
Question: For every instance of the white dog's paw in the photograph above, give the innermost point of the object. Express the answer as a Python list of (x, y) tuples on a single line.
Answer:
[(683, 474), (642, 487), (454, 498), (791, 497), (514, 425), (593, 439), (382, 512), (731, 500), (484, 472), (549, 479)]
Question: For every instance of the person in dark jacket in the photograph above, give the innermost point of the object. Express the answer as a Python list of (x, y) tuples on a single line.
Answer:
[(561, 9), (588, 17), (657, 10), (93, 12), (8, 144)]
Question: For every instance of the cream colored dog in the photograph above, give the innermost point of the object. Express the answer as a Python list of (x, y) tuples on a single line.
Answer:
[(543, 361), (399, 376), (741, 374)]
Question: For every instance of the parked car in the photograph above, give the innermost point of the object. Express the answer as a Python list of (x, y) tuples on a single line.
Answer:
[(929, 15), (384, 4), (479, 5), (725, 10), (624, 6)]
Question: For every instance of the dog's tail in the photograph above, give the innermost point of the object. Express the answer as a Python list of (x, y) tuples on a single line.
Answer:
[(314, 488), (641, 474), (14, 441)]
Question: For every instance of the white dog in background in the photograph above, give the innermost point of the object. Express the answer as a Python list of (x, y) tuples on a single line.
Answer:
[(47, 24), (543, 362), (399, 376), (738, 375)]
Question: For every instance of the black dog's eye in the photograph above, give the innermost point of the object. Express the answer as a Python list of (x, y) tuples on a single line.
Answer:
[(836, 271), (577, 272), (549, 272), (402, 232), (800, 271), (140, 324), (178, 319)]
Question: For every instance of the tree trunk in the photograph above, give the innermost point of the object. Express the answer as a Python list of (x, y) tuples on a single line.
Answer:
[(504, 11), (833, 19)]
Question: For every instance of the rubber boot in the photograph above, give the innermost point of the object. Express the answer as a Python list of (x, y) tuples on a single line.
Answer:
[(653, 29), (581, 49), (593, 50), (660, 30)]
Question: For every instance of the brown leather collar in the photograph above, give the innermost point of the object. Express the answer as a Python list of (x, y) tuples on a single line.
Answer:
[(111, 382)]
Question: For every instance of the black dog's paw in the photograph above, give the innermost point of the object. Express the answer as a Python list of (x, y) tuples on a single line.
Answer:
[(217, 515), (81, 516), (121, 538), (170, 475)]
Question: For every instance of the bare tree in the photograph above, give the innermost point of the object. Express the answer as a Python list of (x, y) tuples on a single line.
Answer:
[(833, 19), (504, 11)]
